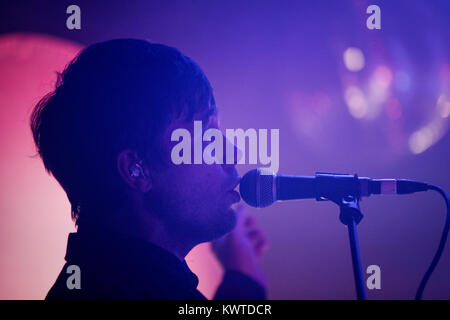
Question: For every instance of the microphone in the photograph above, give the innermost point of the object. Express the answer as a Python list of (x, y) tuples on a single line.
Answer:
[(260, 188)]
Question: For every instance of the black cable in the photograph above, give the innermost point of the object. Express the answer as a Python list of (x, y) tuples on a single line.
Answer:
[(440, 249)]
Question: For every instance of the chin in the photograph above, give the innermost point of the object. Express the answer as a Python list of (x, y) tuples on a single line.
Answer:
[(228, 221), (223, 224)]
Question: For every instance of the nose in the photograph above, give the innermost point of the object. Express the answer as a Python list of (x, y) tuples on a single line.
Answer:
[(230, 160)]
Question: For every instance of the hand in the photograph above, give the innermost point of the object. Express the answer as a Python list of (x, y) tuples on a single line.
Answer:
[(241, 249)]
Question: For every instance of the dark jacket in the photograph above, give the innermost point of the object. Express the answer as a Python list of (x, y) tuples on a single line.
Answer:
[(112, 266)]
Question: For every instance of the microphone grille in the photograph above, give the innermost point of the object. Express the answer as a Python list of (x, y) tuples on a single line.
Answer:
[(257, 188)]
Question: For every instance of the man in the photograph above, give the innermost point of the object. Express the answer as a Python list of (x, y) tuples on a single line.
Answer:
[(105, 134)]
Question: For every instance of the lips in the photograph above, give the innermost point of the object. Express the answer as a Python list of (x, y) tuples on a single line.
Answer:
[(236, 197)]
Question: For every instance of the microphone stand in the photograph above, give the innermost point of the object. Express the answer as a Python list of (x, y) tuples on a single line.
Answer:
[(347, 198), (350, 215)]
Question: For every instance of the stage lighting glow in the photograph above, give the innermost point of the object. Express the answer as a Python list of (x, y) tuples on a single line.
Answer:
[(28, 64), (356, 102), (354, 59), (425, 137), (382, 77), (420, 141), (443, 106)]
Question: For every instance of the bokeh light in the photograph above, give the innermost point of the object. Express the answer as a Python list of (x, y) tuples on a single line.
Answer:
[(356, 101), (354, 59)]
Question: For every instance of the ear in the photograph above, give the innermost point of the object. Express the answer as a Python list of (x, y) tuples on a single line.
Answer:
[(127, 162)]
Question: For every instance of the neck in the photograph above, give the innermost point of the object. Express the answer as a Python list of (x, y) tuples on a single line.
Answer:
[(145, 226)]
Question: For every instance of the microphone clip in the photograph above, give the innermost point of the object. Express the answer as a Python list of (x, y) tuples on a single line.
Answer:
[(336, 186)]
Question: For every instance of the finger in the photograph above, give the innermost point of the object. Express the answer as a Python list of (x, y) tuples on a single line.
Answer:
[(255, 234), (242, 214), (259, 241), (250, 221), (261, 247)]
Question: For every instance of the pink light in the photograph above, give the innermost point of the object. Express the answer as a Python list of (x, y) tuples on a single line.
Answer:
[(393, 109), (35, 213), (382, 76)]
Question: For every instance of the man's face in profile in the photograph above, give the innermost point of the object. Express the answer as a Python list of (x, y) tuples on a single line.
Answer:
[(195, 199)]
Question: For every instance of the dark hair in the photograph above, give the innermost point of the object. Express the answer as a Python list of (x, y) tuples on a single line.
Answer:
[(114, 95)]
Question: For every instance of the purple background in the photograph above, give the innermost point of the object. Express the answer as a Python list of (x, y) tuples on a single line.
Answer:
[(279, 64)]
